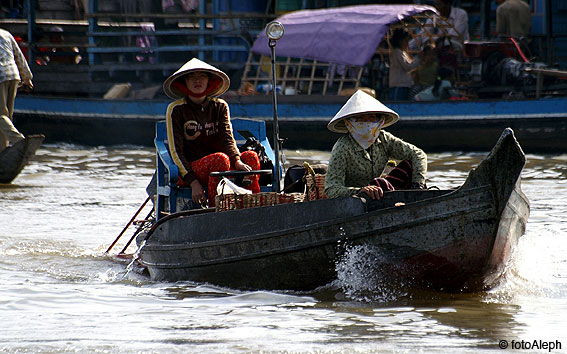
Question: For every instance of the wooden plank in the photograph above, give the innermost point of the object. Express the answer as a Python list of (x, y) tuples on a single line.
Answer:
[(60, 87), (180, 32), (60, 78), (135, 66), (183, 16), (181, 48), (52, 5), (284, 76)]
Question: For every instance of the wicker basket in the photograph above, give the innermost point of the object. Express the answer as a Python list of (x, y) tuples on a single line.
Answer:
[(315, 186), (241, 201)]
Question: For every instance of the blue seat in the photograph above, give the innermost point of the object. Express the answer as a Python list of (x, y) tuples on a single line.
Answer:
[(168, 191)]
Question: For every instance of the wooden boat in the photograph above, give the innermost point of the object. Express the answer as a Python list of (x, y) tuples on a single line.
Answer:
[(451, 240), (315, 41), (540, 124), (14, 158)]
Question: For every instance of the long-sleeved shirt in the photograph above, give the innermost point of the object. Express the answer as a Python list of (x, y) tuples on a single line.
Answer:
[(460, 21), (401, 64), (197, 130), (351, 167), (13, 65)]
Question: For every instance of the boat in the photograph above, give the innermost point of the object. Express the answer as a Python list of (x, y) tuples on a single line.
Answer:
[(540, 124), (536, 110), (455, 240), (14, 158)]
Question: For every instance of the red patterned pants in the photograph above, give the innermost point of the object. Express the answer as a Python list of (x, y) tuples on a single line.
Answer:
[(219, 162), (399, 178)]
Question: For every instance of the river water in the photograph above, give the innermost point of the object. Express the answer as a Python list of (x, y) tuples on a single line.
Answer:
[(60, 293)]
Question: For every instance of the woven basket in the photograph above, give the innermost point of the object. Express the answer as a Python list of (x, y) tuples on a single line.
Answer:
[(315, 186), (241, 201)]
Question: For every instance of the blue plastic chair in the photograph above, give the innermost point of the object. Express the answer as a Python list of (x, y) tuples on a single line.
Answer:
[(168, 191)]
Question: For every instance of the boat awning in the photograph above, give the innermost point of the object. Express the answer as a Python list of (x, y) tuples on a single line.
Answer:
[(345, 35)]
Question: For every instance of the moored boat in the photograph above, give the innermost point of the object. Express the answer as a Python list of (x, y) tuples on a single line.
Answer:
[(451, 240), (14, 158), (539, 124), (317, 47)]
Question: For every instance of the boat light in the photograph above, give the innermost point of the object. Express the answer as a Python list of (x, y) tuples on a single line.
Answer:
[(274, 31)]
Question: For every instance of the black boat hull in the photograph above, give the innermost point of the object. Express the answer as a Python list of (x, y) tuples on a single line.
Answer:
[(453, 240)]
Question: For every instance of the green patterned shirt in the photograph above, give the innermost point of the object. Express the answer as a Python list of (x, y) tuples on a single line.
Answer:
[(351, 167)]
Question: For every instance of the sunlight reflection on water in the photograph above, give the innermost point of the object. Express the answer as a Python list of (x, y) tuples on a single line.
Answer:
[(60, 293)]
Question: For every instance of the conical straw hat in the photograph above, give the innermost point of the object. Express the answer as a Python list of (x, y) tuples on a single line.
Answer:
[(361, 103), (195, 65)]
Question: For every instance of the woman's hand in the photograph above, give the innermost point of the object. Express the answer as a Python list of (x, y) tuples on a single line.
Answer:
[(241, 166), (374, 192), (198, 193)]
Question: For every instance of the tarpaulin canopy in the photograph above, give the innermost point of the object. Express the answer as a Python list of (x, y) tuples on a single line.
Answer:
[(345, 35)]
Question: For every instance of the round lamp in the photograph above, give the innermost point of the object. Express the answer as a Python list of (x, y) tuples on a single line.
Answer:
[(274, 30)]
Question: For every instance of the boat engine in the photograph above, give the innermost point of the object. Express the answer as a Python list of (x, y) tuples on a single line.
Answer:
[(510, 71), (500, 63)]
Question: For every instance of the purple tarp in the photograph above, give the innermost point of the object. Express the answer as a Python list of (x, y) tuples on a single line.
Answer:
[(345, 35)]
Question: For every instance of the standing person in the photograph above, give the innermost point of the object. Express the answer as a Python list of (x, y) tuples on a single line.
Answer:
[(14, 72), (513, 18), (450, 43), (199, 131), (359, 156), (401, 63), (457, 17)]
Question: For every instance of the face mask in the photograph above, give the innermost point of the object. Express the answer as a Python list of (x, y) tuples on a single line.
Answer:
[(364, 133)]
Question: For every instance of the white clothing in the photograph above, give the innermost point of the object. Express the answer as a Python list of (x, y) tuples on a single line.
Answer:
[(13, 65), (401, 63), (445, 91), (459, 19)]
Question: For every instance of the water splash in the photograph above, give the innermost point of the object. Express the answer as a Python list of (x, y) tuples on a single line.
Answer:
[(362, 274), (532, 275), (134, 265)]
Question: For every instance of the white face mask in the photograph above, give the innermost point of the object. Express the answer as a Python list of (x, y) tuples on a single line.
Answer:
[(364, 133)]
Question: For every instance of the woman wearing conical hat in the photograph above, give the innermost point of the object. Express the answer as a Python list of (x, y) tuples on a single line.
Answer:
[(199, 131), (361, 154)]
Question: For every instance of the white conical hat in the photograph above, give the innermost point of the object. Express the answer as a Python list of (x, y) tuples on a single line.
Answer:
[(195, 65), (361, 103)]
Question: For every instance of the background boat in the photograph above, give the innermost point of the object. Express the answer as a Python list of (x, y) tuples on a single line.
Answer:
[(14, 158), (540, 124), (67, 105)]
